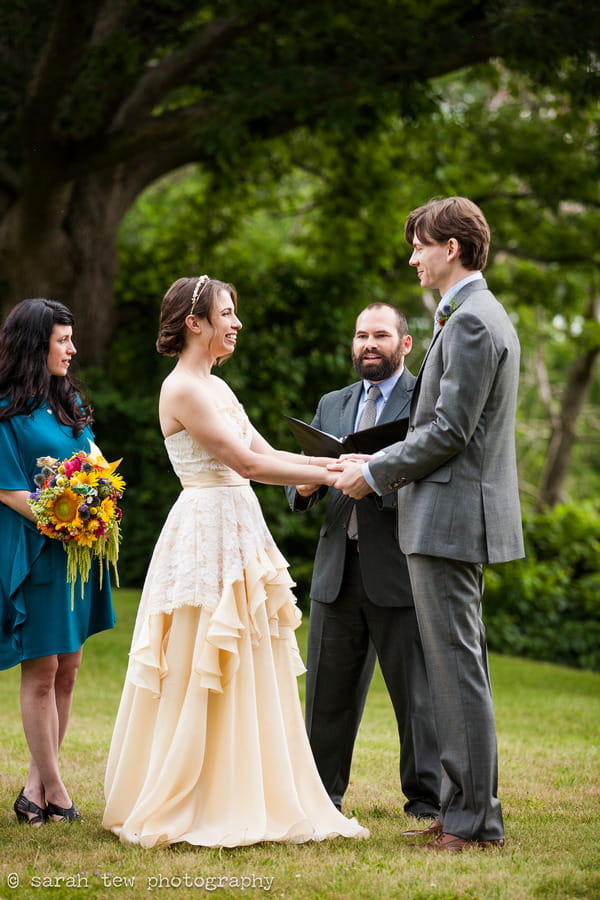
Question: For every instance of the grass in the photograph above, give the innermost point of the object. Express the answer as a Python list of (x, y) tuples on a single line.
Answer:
[(547, 720)]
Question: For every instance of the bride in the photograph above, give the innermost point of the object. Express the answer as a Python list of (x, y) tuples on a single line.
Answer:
[(209, 746)]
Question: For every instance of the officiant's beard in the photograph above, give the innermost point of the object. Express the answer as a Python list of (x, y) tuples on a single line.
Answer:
[(380, 370)]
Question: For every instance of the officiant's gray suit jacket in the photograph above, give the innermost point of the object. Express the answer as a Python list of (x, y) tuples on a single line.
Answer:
[(456, 469), (383, 567)]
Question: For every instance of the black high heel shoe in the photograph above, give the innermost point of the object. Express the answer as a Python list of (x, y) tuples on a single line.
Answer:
[(22, 806), (66, 815)]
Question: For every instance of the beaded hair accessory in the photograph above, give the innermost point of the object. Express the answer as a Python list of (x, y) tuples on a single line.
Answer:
[(204, 279)]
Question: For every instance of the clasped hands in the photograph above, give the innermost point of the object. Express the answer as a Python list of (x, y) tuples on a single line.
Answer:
[(347, 476), (350, 480)]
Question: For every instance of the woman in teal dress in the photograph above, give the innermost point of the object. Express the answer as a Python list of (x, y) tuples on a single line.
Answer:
[(42, 413)]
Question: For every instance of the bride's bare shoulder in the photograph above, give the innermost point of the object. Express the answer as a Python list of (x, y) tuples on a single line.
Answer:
[(221, 391), (184, 390), (179, 382)]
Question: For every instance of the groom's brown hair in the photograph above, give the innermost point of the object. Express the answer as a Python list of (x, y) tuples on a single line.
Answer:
[(453, 217)]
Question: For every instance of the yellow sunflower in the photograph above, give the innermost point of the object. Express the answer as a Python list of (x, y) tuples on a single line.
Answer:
[(64, 508), (117, 481), (106, 510), (80, 477)]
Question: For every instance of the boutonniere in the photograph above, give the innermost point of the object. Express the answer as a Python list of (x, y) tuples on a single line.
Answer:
[(445, 311)]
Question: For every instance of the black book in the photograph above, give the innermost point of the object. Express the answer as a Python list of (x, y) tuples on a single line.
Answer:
[(318, 443)]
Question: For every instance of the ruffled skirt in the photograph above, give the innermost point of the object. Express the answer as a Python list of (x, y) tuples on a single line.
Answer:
[(209, 746)]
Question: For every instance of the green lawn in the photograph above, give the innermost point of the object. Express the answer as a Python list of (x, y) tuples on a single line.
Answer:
[(548, 729)]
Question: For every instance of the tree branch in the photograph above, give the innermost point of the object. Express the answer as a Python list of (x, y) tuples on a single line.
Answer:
[(148, 133), (564, 432), (544, 389), (189, 62), (150, 138), (113, 15), (52, 77), (9, 181)]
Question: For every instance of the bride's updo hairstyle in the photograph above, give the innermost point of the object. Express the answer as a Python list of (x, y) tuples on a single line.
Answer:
[(187, 297)]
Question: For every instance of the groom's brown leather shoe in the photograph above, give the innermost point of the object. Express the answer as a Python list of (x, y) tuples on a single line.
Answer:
[(430, 831), (453, 844)]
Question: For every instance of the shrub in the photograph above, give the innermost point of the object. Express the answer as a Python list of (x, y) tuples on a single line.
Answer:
[(546, 606)]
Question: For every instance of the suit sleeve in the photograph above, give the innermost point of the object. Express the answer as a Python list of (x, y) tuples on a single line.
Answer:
[(296, 502), (469, 366)]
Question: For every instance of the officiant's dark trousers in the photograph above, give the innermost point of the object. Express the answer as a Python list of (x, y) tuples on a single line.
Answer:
[(346, 638)]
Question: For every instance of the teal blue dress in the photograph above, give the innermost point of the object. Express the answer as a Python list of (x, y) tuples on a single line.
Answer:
[(35, 598)]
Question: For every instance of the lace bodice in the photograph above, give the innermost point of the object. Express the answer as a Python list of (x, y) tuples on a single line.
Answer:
[(215, 531), (192, 462)]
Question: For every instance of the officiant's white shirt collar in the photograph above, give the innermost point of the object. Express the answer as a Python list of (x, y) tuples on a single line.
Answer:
[(386, 387)]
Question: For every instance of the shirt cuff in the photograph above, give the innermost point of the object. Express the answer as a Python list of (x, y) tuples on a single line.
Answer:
[(369, 478)]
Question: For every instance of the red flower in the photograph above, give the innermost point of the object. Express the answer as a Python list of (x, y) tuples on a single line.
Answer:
[(72, 465)]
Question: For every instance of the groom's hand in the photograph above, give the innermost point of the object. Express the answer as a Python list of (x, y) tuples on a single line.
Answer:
[(350, 480)]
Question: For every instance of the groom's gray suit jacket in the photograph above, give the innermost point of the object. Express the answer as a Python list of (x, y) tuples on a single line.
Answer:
[(456, 467)]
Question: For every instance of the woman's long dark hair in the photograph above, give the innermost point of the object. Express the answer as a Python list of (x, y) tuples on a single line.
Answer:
[(25, 380)]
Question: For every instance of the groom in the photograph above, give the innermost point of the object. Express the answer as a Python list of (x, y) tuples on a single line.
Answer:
[(361, 601), (458, 505)]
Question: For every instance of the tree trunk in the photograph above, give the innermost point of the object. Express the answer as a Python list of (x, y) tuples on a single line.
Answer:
[(558, 459), (68, 253)]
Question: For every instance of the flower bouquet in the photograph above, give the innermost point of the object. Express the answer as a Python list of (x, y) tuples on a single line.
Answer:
[(76, 503)]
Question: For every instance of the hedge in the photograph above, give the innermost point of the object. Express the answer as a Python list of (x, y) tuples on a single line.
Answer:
[(547, 605)]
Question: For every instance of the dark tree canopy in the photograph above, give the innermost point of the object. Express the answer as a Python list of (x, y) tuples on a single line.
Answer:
[(99, 99)]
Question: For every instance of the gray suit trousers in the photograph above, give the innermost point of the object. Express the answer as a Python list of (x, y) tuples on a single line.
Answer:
[(447, 596)]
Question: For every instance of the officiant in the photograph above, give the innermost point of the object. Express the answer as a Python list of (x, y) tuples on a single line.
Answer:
[(361, 600)]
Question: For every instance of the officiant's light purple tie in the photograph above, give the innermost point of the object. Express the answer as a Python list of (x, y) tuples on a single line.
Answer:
[(367, 420)]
